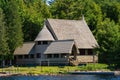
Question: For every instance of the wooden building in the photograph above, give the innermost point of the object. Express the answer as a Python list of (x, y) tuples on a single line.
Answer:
[(59, 42)]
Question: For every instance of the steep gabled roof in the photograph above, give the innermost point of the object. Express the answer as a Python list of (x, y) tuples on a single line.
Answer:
[(26, 48), (60, 46), (73, 29), (44, 35)]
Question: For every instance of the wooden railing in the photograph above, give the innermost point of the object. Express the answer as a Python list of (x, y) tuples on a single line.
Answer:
[(87, 58)]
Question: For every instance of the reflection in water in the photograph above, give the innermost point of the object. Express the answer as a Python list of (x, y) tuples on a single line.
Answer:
[(65, 77)]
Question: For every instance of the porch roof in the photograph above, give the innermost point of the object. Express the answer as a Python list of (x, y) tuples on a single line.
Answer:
[(26, 48), (60, 46)]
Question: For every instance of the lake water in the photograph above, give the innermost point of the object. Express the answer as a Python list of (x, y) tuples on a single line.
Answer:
[(65, 77)]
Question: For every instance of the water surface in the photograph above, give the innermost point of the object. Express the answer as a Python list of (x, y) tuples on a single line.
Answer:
[(65, 77)]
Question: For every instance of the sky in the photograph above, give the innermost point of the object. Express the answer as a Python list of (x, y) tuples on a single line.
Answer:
[(47, 1)]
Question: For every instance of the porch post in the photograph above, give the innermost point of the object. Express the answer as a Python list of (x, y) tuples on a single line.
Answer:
[(59, 55), (52, 55), (3, 63), (10, 62), (94, 58)]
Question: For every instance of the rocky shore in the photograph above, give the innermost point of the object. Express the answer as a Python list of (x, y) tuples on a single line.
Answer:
[(3, 74), (18, 74)]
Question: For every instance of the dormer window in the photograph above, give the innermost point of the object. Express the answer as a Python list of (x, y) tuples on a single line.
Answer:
[(43, 42), (39, 42)]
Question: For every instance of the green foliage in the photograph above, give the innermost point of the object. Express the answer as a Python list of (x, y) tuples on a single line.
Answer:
[(108, 35), (14, 25), (55, 69), (111, 10), (66, 9), (4, 50), (92, 12), (32, 14), (96, 66)]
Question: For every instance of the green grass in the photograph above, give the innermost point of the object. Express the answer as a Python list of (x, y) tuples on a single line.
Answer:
[(54, 69)]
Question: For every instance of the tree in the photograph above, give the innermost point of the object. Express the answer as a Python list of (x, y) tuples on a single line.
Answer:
[(14, 26), (4, 50), (32, 23), (92, 12), (108, 35), (111, 10), (66, 9)]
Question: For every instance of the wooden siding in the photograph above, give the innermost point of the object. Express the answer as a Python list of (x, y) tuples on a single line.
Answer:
[(87, 58)]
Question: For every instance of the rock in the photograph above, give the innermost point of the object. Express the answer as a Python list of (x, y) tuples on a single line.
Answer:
[(117, 73)]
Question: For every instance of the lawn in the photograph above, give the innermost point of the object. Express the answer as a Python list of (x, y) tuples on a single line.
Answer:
[(54, 69)]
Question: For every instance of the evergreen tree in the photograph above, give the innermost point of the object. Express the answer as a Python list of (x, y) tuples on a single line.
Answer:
[(14, 26), (4, 50)]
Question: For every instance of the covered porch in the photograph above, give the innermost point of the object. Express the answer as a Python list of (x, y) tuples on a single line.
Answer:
[(61, 52)]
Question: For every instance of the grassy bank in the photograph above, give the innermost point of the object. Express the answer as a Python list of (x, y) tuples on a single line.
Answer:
[(54, 69)]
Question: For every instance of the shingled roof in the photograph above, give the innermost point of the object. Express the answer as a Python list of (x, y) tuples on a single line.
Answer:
[(44, 35), (73, 29), (60, 46), (27, 48)]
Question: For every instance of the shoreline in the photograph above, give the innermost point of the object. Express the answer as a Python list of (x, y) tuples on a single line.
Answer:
[(116, 73)]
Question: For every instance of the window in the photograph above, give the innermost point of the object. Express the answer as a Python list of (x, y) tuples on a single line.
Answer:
[(20, 56), (39, 42), (56, 55), (63, 55), (38, 55), (45, 42), (82, 51), (42, 42), (90, 52), (49, 55), (31, 55), (26, 56)]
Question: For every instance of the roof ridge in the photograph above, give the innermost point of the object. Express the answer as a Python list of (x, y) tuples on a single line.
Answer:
[(65, 19)]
